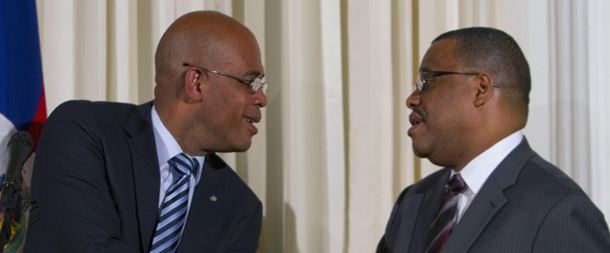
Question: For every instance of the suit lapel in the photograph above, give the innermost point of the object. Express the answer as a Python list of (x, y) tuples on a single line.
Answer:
[(141, 141), (428, 211), (480, 212), (406, 220), (489, 200)]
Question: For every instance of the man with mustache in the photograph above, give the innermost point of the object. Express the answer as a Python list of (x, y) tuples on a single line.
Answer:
[(111, 177), (494, 194)]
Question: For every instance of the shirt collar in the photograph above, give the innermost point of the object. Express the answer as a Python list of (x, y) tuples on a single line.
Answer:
[(167, 146), (476, 172)]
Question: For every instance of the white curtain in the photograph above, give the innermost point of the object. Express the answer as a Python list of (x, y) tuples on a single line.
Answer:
[(332, 153)]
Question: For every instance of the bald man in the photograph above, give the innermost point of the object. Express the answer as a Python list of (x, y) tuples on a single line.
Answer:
[(494, 194), (111, 177)]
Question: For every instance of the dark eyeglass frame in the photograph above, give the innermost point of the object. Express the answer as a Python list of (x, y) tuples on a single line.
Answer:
[(423, 77), (254, 84)]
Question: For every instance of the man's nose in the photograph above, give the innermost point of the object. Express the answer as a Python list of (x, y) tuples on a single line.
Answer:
[(413, 99)]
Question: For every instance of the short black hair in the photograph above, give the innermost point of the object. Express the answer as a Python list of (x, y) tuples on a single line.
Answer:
[(484, 49)]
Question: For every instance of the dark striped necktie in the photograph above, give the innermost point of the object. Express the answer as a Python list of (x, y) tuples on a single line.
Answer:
[(175, 205), (441, 228)]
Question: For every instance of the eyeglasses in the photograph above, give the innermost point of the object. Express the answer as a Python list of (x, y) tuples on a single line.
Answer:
[(254, 84), (425, 77)]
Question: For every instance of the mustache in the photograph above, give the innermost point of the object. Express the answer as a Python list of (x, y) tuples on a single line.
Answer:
[(421, 115)]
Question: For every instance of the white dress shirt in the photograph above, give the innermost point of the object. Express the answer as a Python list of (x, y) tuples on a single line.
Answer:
[(168, 147), (476, 172)]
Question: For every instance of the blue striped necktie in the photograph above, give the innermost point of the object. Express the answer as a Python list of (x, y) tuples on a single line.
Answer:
[(174, 207)]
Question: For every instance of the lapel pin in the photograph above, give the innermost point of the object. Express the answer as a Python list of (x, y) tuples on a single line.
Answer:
[(213, 198)]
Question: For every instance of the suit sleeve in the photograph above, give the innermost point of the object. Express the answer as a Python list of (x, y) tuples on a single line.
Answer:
[(573, 225), (72, 207), (248, 241)]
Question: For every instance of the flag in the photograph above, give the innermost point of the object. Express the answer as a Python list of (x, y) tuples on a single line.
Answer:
[(22, 100)]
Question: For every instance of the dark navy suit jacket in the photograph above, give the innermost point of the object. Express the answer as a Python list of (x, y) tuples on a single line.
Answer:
[(95, 188), (526, 205)]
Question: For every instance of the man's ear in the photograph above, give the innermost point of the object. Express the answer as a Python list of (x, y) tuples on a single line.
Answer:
[(193, 79), (484, 89)]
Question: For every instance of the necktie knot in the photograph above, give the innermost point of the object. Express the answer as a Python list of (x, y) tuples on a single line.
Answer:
[(456, 184), (183, 164)]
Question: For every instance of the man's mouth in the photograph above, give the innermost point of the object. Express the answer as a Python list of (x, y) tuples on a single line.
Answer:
[(250, 121), (416, 120)]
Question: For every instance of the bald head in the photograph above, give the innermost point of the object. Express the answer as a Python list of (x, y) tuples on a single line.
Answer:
[(200, 38), (205, 63)]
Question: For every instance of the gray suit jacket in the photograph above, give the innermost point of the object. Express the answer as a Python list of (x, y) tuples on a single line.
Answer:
[(526, 205)]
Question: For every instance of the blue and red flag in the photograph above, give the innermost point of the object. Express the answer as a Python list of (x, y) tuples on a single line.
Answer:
[(22, 100)]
